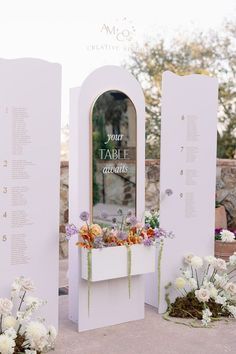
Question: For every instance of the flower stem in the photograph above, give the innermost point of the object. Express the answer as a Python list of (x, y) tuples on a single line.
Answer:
[(129, 264), (89, 258), (1, 319), (159, 273)]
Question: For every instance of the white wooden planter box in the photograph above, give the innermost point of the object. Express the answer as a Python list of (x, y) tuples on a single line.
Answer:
[(112, 262)]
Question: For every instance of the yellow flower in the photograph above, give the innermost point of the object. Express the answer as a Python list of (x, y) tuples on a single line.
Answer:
[(180, 283), (96, 229)]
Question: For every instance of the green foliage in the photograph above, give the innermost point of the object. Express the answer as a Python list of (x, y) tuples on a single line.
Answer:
[(211, 53)]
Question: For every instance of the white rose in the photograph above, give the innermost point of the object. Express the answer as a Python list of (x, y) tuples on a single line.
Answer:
[(180, 283), (9, 322), (219, 264), (227, 236), (196, 262), (27, 285), (5, 307), (193, 283), (7, 344), (187, 258), (203, 295), (231, 288), (210, 259)]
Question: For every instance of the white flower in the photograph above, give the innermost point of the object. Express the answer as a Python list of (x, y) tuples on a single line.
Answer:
[(221, 300), (27, 351), (213, 292), (15, 288), (219, 264), (10, 332), (210, 259), (21, 284), (7, 344), (231, 288), (52, 334), (180, 283), (227, 236), (187, 258), (5, 307), (27, 284), (220, 281), (34, 302), (206, 317), (36, 333), (9, 322), (202, 295), (187, 274), (193, 283), (196, 262), (232, 310), (232, 259)]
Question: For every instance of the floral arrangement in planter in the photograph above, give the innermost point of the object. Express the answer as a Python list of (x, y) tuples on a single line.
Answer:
[(124, 232), (128, 247), (18, 333), (225, 243), (206, 288)]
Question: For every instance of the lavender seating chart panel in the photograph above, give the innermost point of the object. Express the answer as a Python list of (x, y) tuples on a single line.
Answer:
[(30, 91), (188, 170), (109, 301)]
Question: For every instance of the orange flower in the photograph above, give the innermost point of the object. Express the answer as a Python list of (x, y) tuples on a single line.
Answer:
[(150, 232)]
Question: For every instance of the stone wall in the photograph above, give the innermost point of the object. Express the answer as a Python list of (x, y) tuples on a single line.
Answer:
[(225, 192)]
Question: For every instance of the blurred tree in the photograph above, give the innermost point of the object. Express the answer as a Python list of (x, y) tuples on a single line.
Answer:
[(211, 53)]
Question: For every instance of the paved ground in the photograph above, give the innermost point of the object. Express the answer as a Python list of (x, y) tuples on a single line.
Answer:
[(153, 335)]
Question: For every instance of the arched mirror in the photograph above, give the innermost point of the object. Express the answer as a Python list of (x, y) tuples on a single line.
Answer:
[(113, 162)]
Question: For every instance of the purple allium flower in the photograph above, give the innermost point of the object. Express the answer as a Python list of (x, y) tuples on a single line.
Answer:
[(147, 242), (129, 213), (84, 216), (104, 215), (156, 232), (147, 225), (119, 212), (121, 235), (133, 220), (71, 230)]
